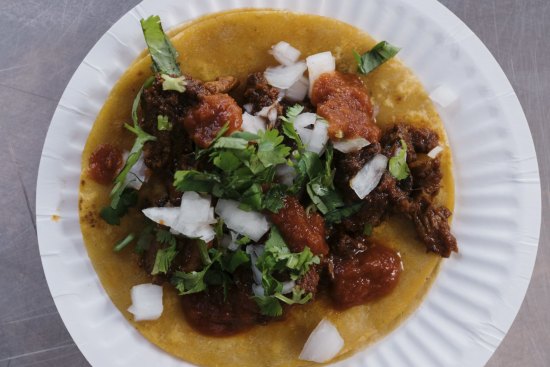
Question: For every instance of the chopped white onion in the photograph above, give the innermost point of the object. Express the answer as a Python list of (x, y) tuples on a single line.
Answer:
[(146, 302), (435, 152), (286, 174), (255, 251), (318, 64), (194, 218), (138, 174), (252, 124), (298, 91), (319, 137), (166, 216), (288, 286), (350, 145), (323, 343), (251, 224), (284, 77), (270, 112), (272, 116), (369, 176), (248, 107), (305, 119), (285, 53), (258, 290), (444, 96)]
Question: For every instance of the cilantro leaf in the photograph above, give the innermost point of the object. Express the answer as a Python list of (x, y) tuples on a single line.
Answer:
[(398, 164), (273, 199), (336, 215), (124, 242), (269, 306), (162, 51), (379, 54), (251, 199), (163, 124), (165, 237), (137, 99), (298, 297), (288, 125), (203, 251), (270, 150), (230, 142), (367, 230), (164, 259), (127, 199), (194, 281), (191, 180), (141, 138), (234, 260), (226, 161), (177, 84), (145, 238)]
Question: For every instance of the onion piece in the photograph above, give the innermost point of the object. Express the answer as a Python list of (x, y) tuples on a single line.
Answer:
[(253, 124), (284, 77), (369, 176), (165, 216), (146, 302), (194, 218), (288, 286), (255, 251), (248, 107), (251, 224), (319, 137), (318, 64), (286, 174), (138, 174), (298, 91), (323, 343), (435, 152), (305, 119), (284, 53), (350, 145), (444, 96)]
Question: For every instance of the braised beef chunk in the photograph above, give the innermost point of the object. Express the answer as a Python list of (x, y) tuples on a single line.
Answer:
[(368, 275), (223, 84), (310, 280), (432, 226), (155, 101), (345, 245), (300, 229), (259, 93), (426, 174), (347, 166), (423, 139), (218, 313), (418, 140)]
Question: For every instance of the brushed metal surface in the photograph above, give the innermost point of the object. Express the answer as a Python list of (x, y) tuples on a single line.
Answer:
[(43, 41)]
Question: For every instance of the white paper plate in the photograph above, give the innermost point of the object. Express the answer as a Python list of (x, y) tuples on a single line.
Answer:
[(497, 218)]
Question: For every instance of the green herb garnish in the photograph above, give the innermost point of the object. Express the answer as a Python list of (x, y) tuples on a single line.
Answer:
[(124, 242), (379, 54), (398, 164), (163, 123), (162, 52), (176, 84)]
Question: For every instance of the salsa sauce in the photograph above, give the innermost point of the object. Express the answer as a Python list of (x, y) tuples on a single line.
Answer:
[(104, 163)]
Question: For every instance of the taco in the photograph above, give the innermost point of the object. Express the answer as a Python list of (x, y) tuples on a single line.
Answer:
[(262, 171)]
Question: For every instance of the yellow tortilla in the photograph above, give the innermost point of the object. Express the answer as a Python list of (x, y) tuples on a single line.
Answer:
[(236, 43)]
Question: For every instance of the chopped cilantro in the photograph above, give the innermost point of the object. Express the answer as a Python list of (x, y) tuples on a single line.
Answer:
[(145, 238), (379, 54), (195, 181), (124, 242), (127, 199), (177, 84), (164, 259), (163, 124), (398, 164), (288, 124), (162, 52), (367, 230), (336, 215)]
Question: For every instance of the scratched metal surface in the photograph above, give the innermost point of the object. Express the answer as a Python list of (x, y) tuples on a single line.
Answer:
[(41, 44)]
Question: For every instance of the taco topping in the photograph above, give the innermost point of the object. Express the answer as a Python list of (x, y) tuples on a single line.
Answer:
[(259, 200)]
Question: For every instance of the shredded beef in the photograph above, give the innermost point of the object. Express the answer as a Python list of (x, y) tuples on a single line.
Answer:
[(259, 93), (426, 175), (418, 140), (223, 84), (432, 227), (310, 280)]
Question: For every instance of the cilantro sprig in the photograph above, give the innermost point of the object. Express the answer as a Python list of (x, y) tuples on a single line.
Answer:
[(379, 54), (276, 260), (398, 164), (243, 164)]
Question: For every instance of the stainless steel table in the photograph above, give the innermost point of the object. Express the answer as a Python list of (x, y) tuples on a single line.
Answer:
[(41, 44)]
